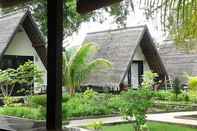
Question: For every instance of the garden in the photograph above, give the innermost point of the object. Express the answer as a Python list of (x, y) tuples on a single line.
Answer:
[(91, 104)]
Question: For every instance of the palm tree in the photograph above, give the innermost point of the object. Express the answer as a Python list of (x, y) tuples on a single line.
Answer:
[(77, 67)]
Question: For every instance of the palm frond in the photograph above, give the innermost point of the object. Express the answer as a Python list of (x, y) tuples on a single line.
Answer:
[(93, 66), (78, 67), (168, 7), (82, 55)]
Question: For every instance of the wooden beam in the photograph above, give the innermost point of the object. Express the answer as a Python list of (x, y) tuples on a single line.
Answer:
[(9, 3), (54, 67), (85, 6)]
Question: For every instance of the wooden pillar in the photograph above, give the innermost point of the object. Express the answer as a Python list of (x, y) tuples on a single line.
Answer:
[(54, 66), (129, 76)]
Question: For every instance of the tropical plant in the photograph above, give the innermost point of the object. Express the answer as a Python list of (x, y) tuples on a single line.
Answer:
[(96, 126), (138, 102), (176, 87), (192, 83), (78, 67), (184, 32)]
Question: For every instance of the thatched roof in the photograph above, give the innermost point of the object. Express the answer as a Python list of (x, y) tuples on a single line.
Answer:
[(178, 62), (119, 46), (85, 6), (11, 23)]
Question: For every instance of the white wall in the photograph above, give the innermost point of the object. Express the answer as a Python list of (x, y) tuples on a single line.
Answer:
[(138, 56), (22, 46)]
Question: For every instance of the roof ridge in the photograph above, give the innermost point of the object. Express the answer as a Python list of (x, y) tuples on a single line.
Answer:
[(21, 10), (118, 29)]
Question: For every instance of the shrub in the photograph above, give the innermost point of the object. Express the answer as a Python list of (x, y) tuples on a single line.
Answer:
[(37, 101), (176, 87), (24, 112), (139, 101), (65, 97), (96, 126), (115, 103), (79, 105), (89, 93), (162, 95)]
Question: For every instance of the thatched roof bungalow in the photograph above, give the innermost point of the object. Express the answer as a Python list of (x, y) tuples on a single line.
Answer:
[(131, 51), (20, 41), (178, 62)]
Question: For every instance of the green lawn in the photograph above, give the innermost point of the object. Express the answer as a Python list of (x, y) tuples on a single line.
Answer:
[(152, 127)]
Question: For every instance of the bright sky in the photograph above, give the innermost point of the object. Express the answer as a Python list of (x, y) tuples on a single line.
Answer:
[(134, 19)]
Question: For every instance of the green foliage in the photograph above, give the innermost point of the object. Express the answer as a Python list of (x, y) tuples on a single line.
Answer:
[(8, 101), (24, 112), (72, 19), (148, 78), (96, 126), (89, 93), (78, 67), (139, 101), (153, 126), (65, 97), (24, 74), (116, 103), (177, 87), (184, 31), (37, 101), (169, 96), (192, 83), (78, 106), (8, 79), (163, 95), (29, 73)]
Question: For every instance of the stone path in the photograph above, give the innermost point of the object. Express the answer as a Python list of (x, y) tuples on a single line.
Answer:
[(15, 124), (18, 124), (172, 118), (161, 117)]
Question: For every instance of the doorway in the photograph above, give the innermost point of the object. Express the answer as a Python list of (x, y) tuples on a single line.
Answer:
[(137, 71)]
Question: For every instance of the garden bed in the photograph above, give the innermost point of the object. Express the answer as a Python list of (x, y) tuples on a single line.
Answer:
[(86, 105)]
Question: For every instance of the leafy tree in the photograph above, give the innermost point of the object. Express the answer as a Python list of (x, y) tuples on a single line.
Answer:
[(138, 102), (30, 74), (8, 79), (178, 18), (77, 68), (72, 19), (184, 32)]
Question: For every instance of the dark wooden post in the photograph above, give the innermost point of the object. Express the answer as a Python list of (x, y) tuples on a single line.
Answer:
[(54, 66), (129, 76)]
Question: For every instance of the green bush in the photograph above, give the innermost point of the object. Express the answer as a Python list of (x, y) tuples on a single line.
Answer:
[(163, 95), (37, 101), (176, 87), (115, 103), (81, 106), (65, 97), (24, 112)]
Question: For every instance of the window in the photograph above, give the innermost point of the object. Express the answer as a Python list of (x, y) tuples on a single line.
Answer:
[(13, 61)]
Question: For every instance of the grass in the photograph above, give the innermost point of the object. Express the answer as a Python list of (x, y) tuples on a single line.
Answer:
[(153, 126)]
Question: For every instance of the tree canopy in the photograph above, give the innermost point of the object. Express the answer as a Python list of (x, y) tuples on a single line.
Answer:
[(184, 15), (72, 19)]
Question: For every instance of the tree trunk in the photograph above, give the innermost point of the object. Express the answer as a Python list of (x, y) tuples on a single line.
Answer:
[(72, 91)]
